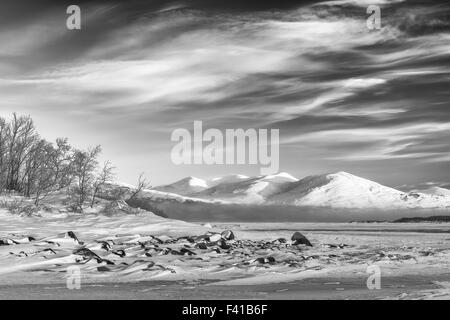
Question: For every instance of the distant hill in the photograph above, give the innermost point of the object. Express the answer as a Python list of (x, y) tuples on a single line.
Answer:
[(424, 219)]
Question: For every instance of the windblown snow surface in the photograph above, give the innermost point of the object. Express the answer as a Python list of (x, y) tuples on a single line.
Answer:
[(135, 248)]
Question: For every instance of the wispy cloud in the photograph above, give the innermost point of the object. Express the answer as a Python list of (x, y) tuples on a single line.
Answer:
[(134, 73)]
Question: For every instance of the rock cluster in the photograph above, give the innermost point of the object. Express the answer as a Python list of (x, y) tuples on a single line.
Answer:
[(155, 252)]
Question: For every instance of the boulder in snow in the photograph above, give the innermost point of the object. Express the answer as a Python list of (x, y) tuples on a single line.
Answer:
[(228, 235), (298, 238), (215, 237)]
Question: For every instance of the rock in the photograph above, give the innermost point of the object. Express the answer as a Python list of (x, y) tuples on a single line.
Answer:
[(281, 240), (49, 250), (271, 260), (224, 245), (107, 262), (260, 260), (23, 253), (163, 252), (103, 269), (87, 254), (298, 238), (187, 252), (120, 253), (72, 235), (105, 246), (190, 239), (182, 252), (157, 240), (7, 242), (202, 245), (228, 235), (215, 237), (149, 266), (175, 252)]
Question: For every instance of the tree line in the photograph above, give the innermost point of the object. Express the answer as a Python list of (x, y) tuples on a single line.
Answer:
[(35, 167)]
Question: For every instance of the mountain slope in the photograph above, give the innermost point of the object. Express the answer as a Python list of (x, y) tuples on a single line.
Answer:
[(252, 190), (344, 190), (232, 178), (434, 190), (186, 186)]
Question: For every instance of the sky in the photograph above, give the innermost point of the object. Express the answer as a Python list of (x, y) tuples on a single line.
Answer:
[(345, 98)]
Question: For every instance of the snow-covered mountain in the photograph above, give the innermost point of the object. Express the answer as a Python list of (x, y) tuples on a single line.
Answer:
[(227, 179), (437, 191), (184, 186), (248, 190), (433, 188), (344, 190), (336, 190)]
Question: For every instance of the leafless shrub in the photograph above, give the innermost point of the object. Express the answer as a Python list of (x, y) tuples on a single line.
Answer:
[(84, 165), (113, 207), (19, 207), (142, 184), (105, 175), (119, 193)]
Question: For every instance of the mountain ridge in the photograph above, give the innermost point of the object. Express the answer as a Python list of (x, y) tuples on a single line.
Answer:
[(334, 190)]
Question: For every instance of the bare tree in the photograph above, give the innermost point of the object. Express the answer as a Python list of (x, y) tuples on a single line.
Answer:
[(3, 153), (35, 167), (84, 165), (61, 162), (37, 175), (46, 169), (22, 137), (142, 184), (105, 175)]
